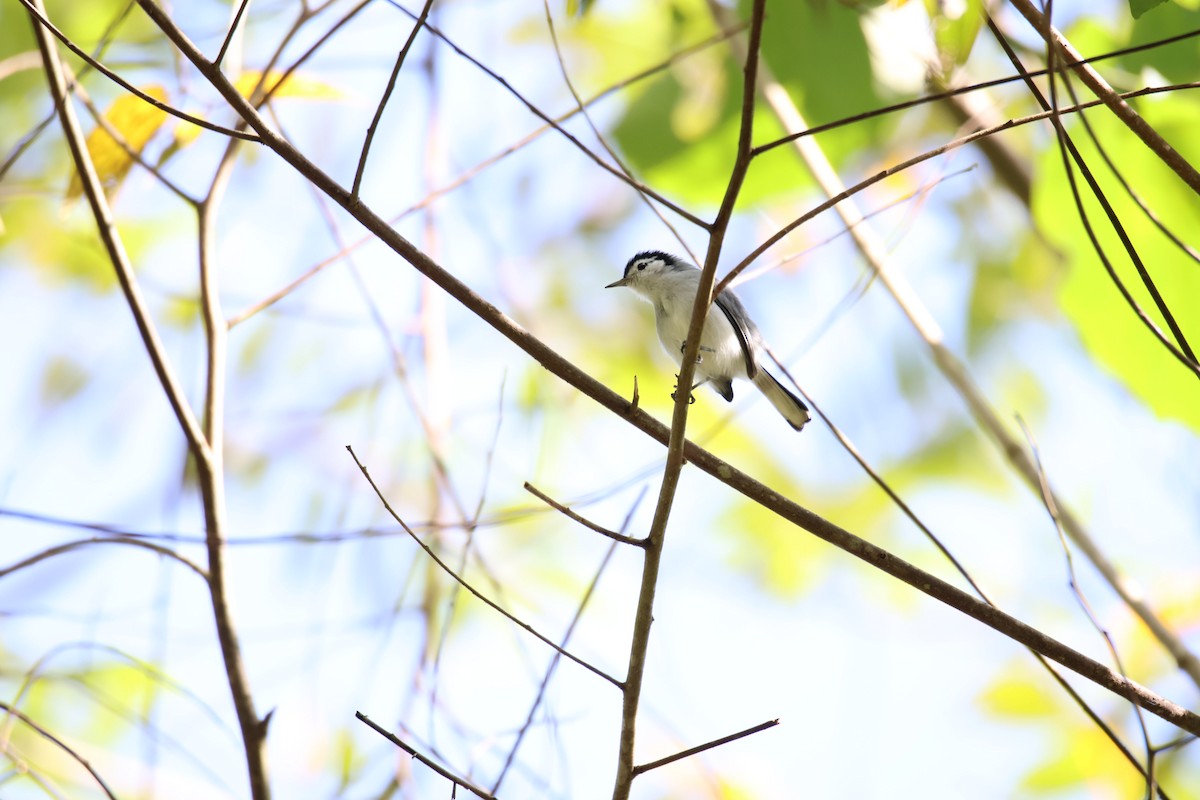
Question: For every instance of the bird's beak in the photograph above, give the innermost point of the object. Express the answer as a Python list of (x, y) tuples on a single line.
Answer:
[(615, 284)]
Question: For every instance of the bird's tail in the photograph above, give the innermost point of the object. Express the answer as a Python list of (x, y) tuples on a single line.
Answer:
[(791, 407)]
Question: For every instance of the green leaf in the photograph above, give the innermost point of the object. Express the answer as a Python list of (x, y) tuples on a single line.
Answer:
[(1177, 62), (1108, 328), (680, 133), (955, 28), (1139, 7)]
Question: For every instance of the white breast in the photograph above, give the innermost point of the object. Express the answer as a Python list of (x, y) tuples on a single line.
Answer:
[(721, 354)]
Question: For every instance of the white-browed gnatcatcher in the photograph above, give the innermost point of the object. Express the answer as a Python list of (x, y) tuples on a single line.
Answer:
[(730, 345)]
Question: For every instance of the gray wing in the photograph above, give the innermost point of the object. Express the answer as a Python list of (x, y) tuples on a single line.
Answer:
[(747, 334)]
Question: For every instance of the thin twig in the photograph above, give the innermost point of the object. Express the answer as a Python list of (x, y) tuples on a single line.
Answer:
[(562, 68), (587, 595), (67, 547), (433, 765), (1111, 98), (587, 523), (954, 144), (462, 582), (387, 93), (691, 751), (1076, 590), (34, 59), (83, 762), (641, 187), (1070, 153), (974, 87), (233, 29), (33, 7)]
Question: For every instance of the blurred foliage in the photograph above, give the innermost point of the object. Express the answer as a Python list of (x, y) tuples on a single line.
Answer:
[(62, 379), (294, 392), (1106, 324), (955, 29), (680, 131)]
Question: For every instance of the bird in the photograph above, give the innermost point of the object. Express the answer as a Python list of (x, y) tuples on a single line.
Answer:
[(730, 344)]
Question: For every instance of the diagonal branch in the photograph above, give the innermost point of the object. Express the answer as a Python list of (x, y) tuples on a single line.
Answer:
[(952, 368), (387, 93), (640, 187), (83, 762), (39, 14), (111, 239), (1094, 81), (700, 748), (429, 762), (723, 471), (525, 626)]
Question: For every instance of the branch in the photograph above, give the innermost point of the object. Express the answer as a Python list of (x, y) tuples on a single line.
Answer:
[(644, 615), (1180, 347), (132, 542), (691, 751), (387, 92), (587, 595), (955, 372), (974, 87), (45, 733), (38, 13), (1123, 111), (912, 162), (587, 523), (642, 188), (433, 765), (724, 472), (111, 239), (462, 582)]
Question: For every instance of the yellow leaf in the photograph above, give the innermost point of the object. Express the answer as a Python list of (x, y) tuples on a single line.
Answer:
[(136, 121), (1086, 760), (1018, 697), (296, 85)]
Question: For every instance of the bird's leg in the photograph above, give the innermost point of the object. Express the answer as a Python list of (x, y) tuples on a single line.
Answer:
[(699, 355), (691, 397)]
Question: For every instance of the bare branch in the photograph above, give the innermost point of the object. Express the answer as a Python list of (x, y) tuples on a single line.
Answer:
[(233, 29), (974, 87), (954, 144), (641, 187), (1070, 153), (587, 523), (433, 765), (691, 751), (462, 582), (80, 543), (33, 6), (583, 601), (83, 762), (702, 459), (1111, 98), (387, 92), (644, 615), (113, 245)]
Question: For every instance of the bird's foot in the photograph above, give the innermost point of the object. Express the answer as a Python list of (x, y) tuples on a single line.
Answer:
[(691, 397)]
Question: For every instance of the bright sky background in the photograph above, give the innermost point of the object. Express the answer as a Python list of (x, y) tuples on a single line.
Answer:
[(876, 686)]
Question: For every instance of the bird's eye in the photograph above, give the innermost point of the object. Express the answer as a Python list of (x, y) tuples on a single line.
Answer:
[(641, 266)]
